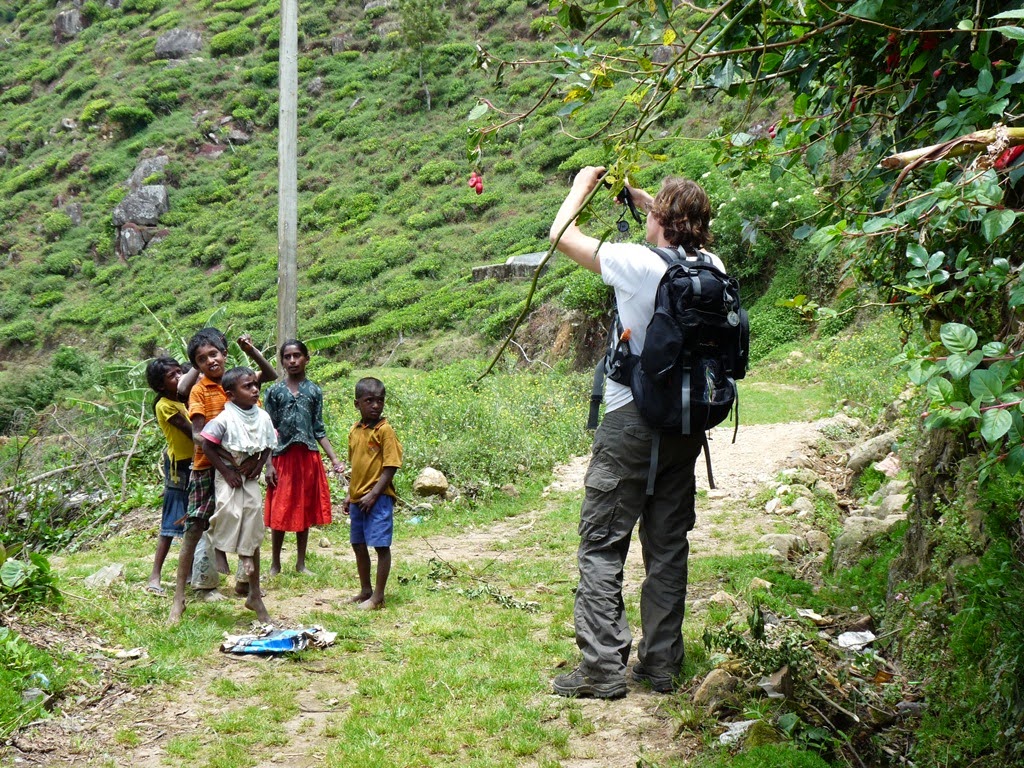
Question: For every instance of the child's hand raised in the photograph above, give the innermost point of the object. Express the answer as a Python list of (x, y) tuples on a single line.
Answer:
[(245, 342)]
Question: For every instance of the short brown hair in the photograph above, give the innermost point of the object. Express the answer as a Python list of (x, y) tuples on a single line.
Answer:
[(683, 209)]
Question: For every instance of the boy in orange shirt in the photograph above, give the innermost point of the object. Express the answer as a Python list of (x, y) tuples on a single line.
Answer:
[(374, 455), (208, 352)]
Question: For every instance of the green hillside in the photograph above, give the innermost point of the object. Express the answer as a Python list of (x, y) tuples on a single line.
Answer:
[(388, 229)]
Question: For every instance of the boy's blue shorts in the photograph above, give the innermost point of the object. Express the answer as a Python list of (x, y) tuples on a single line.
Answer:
[(376, 528), (176, 482)]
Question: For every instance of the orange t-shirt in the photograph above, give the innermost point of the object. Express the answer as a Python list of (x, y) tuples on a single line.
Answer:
[(207, 399), (370, 449)]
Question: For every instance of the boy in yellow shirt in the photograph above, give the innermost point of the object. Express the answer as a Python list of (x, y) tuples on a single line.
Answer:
[(374, 454)]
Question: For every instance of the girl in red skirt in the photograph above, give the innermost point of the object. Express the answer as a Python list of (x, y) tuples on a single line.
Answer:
[(298, 496)]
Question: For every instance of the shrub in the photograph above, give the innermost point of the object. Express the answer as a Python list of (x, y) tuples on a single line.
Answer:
[(437, 171), (586, 292), (16, 94), (94, 110), (223, 21), (61, 263), (74, 88), (46, 299), (233, 42), (55, 223), (425, 220), (529, 180), (142, 6), (131, 118)]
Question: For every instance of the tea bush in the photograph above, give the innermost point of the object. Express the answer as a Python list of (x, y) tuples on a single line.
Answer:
[(233, 42)]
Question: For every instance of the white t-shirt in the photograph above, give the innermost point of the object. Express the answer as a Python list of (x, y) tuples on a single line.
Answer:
[(634, 272)]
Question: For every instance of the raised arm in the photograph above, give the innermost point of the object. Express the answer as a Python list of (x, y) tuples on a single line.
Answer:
[(266, 372), (186, 382), (573, 243)]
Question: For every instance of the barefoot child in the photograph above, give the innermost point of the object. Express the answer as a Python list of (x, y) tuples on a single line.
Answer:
[(238, 443), (298, 496), (208, 352), (163, 374), (374, 454)]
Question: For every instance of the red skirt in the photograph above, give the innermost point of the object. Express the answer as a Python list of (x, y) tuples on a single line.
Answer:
[(302, 497)]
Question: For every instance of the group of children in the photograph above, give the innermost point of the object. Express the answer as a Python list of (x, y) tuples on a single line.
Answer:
[(220, 443)]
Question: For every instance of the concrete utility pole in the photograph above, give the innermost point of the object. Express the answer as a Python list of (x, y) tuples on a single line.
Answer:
[(287, 184)]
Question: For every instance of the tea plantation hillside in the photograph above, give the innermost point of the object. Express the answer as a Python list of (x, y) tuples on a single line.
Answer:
[(181, 98)]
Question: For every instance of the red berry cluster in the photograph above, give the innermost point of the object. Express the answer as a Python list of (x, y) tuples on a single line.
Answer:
[(476, 181)]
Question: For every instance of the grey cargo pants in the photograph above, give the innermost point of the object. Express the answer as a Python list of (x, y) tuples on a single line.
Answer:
[(616, 485)]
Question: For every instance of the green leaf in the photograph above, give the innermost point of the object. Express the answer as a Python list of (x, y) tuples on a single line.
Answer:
[(800, 104), (1015, 459), (966, 25), (917, 255), (841, 142), (957, 337), (920, 371), (997, 223), (867, 9), (987, 385), (995, 349), (941, 390), (995, 424), (13, 573), (960, 365), (803, 232), (815, 154), (1013, 33), (985, 81), (1016, 14), (576, 18), (477, 112)]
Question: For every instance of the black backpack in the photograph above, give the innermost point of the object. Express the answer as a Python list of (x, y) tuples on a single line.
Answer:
[(697, 345)]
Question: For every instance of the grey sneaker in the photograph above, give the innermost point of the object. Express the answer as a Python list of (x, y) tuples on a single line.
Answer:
[(659, 683), (578, 685)]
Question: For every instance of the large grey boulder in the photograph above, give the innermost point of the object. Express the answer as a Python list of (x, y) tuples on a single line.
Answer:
[(858, 532), (130, 241), (783, 546), (143, 206), (870, 451), (68, 24), (150, 166), (178, 44)]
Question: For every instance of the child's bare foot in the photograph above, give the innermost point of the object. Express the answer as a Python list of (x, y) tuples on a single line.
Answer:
[(209, 595), (304, 571), (371, 604), (242, 589), (221, 562), (256, 605), (177, 609), (362, 597), (275, 569)]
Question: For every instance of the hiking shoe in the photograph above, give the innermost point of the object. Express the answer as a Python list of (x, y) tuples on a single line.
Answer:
[(578, 685), (659, 683)]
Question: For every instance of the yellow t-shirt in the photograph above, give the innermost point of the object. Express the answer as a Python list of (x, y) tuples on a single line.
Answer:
[(370, 449), (179, 445)]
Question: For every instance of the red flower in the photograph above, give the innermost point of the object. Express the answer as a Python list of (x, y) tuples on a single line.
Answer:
[(1007, 156), (929, 41)]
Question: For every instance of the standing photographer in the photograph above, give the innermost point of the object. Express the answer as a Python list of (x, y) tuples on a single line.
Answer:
[(617, 479)]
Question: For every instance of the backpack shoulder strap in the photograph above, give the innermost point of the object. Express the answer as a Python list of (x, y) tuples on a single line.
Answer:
[(666, 255)]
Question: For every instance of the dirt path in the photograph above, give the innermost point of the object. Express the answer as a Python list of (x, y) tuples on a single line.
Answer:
[(624, 732)]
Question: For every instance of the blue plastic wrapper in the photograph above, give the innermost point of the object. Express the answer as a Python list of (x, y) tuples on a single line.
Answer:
[(270, 640)]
